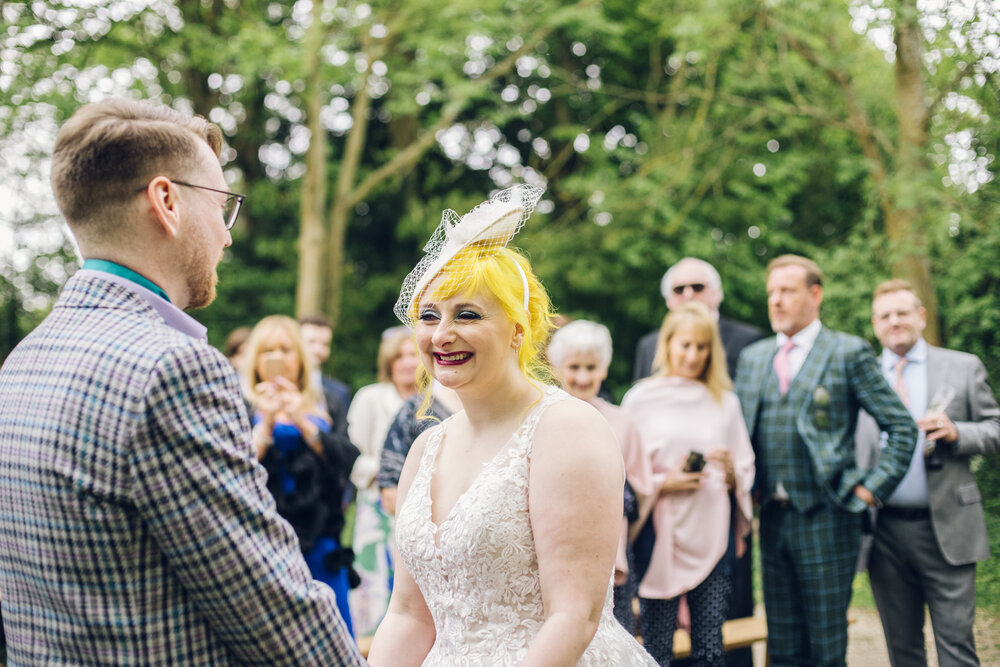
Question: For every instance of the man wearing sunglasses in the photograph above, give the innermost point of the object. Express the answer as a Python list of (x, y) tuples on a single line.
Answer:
[(693, 279), (135, 522)]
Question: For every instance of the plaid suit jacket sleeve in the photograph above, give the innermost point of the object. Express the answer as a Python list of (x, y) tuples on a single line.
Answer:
[(878, 399), (200, 490)]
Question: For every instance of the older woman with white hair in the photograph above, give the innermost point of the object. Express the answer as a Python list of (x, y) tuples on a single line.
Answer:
[(580, 353)]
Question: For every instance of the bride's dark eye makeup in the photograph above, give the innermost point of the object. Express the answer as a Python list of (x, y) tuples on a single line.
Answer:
[(429, 315), (468, 315)]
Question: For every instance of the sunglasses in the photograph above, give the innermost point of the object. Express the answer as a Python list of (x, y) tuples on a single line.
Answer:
[(697, 288)]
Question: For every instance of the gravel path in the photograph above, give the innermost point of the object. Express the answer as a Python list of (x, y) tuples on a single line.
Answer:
[(866, 644)]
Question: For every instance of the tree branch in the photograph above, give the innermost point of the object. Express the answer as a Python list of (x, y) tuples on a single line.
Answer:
[(409, 156)]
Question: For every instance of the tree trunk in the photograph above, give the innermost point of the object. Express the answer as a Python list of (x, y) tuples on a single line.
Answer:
[(309, 294), (344, 198), (906, 226), (349, 191)]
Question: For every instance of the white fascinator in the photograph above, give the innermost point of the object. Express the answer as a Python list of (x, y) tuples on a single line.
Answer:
[(489, 226)]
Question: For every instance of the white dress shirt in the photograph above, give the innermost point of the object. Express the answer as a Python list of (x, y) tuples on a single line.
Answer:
[(912, 490), (804, 341)]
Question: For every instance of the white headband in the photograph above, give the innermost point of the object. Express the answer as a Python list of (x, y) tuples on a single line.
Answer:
[(524, 283)]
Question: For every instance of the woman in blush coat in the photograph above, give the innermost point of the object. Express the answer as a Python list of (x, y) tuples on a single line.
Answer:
[(703, 469)]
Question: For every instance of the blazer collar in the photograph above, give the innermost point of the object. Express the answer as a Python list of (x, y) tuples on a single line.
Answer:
[(96, 289), (816, 360), (804, 338)]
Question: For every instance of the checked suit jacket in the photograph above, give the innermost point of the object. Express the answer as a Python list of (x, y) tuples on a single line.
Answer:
[(839, 376), (135, 523), (955, 503)]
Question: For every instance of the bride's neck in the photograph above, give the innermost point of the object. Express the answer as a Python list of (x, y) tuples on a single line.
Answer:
[(505, 401)]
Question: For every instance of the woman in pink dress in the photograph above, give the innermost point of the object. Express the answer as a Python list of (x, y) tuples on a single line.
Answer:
[(703, 467), (580, 353)]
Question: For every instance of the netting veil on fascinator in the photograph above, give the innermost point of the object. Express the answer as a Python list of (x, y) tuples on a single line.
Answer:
[(489, 227)]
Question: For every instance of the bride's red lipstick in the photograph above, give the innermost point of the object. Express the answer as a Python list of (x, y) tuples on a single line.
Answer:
[(452, 358)]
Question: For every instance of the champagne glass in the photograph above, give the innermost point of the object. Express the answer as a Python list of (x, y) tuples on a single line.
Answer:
[(937, 405)]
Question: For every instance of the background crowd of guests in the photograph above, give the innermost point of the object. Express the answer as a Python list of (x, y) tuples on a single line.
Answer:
[(699, 455), (127, 490)]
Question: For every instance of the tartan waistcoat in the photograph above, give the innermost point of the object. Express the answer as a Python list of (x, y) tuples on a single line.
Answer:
[(783, 456)]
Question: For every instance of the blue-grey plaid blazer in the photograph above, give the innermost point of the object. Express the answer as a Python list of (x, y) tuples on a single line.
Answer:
[(839, 376), (135, 524)]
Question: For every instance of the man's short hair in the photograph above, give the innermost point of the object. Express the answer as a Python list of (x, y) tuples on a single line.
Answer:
[(316, 320), (714, 279), (814, 274), (108, 150), (896, 285)]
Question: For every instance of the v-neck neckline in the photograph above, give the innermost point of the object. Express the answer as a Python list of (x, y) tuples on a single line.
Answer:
[(437, 529)]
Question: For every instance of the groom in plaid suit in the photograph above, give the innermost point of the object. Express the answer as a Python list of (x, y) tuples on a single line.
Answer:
[(800, 394), (136, 527)]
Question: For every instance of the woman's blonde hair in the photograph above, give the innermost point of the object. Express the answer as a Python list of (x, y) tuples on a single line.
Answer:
[(495, 271), (311, 395), (389, 350), (696, 316)]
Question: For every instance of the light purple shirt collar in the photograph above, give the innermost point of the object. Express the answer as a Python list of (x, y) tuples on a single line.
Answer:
[(171, 314)]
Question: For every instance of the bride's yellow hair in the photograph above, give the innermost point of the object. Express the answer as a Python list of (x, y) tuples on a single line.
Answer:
[(494, 270)]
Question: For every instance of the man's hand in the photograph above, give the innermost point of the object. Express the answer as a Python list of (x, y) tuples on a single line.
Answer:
[(938, 427), (865, 495)]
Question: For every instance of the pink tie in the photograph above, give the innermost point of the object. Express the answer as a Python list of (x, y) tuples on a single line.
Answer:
[(900, 384), (783, 366)]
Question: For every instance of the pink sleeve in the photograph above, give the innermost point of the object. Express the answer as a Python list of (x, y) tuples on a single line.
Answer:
[(638, 470), (739, 446)]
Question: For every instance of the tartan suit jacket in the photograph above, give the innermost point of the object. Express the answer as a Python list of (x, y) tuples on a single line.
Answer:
[(839, 375), (135, 523)]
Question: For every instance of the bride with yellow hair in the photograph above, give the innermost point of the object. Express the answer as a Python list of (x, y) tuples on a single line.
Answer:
[(509, 509)]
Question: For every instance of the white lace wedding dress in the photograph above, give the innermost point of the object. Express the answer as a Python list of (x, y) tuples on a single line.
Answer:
[(478, 572)]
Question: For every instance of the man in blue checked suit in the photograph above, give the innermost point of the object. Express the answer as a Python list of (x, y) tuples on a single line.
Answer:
[(800, 394), (135, 522)]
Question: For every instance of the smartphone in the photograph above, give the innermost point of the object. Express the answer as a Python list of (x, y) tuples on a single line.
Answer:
[(272, 368), (695, 462)]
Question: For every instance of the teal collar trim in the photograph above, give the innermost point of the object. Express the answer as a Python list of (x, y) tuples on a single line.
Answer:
[(124, 272)]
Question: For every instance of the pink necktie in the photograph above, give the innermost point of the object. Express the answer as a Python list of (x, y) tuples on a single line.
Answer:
[(783, 366), (900, 384)]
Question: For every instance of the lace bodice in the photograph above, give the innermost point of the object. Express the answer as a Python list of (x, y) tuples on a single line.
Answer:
[(478, 572)]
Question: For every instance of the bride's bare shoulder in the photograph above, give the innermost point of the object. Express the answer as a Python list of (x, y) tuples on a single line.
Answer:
[(574, 427)]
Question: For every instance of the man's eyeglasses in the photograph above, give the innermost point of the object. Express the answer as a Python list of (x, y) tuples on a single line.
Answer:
[(231, 207), (697, 288)]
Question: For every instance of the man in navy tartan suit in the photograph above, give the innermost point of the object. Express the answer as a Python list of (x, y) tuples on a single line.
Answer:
[(800, 392), (136, 527)]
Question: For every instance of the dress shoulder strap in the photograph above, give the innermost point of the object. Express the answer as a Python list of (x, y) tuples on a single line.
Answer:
[(526, 432), (436, 434)]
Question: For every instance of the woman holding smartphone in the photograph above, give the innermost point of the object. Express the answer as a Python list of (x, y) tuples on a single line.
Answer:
[(307, 458), (703, 467)]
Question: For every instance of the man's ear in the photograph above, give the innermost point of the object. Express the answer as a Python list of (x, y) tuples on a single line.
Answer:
[(816, 291), (165, 204)]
